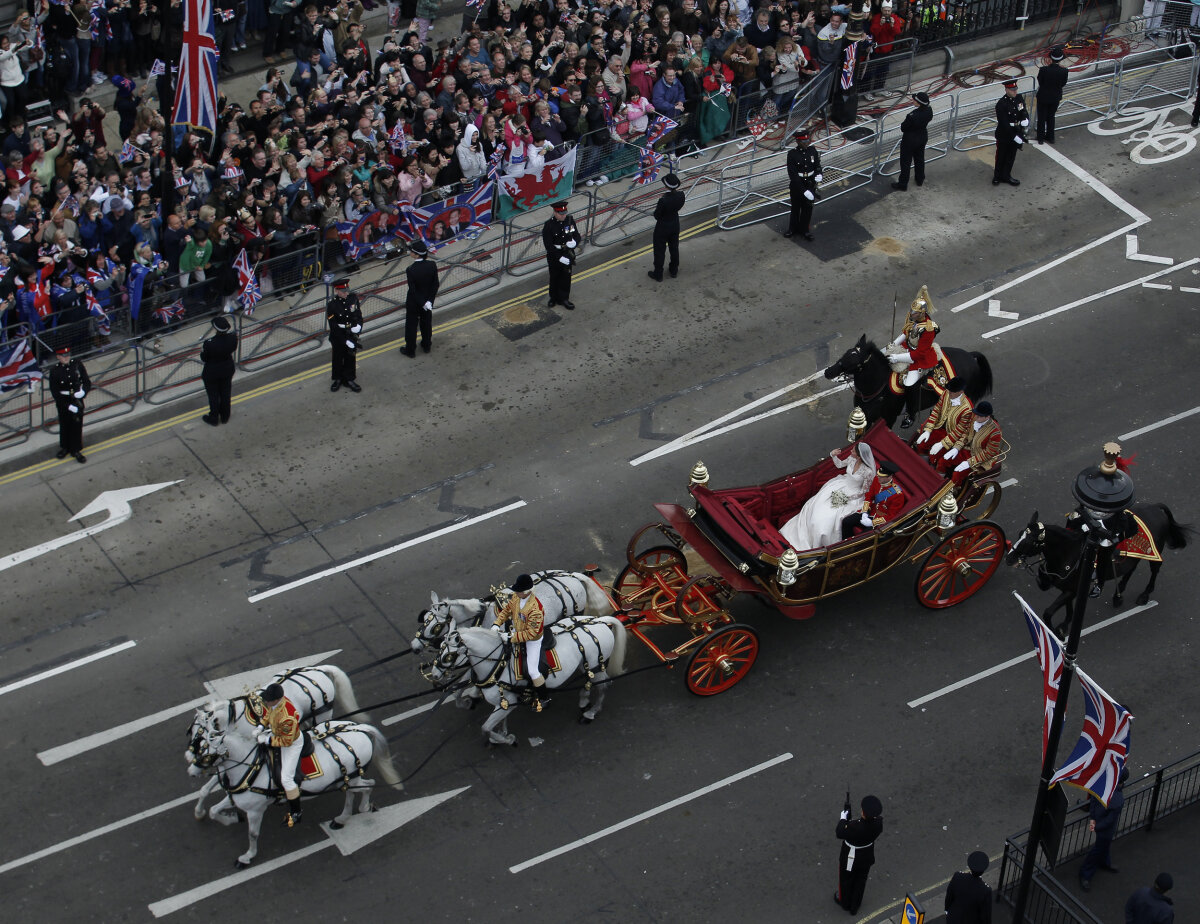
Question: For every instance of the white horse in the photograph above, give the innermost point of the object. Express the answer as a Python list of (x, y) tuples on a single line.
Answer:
[(312, 690), (342, 752), (595, 645)]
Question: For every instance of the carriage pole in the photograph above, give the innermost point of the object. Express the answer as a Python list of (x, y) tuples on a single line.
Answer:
[(1102, 490)]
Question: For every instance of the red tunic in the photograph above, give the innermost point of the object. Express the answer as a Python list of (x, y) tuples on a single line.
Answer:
[(924, 356), (884, 504)]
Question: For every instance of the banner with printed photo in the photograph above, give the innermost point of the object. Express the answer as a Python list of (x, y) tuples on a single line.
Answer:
[(461, 217), (535, 188)]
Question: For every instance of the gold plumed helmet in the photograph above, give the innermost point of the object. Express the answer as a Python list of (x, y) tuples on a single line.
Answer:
[(922, 302)]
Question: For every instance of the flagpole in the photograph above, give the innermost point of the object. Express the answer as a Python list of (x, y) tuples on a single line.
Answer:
[(166, 101)]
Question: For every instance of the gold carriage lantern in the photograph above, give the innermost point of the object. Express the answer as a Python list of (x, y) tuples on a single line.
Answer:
[(947, 513), (856, 426), (788, 564), (699, 475)]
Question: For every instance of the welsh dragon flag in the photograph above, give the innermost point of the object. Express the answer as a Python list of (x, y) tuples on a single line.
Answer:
[(516, 193)]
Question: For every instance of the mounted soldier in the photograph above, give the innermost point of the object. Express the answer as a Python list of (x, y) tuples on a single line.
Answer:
[(916, 352)]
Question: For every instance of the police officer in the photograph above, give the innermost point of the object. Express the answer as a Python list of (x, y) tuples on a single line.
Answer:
[(422, 289), (69, 383), (561, 239), (804, 173), (914, 135), (345, 324), (666, 228), (968, 897), (858, 851), (217, 355), (1012, 122), (1051, 80)]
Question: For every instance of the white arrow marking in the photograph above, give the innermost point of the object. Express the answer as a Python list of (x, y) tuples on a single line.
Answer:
[(70, 666), (1131, 252), (221, 688), (360, 830), (995, 312), (116, 503)]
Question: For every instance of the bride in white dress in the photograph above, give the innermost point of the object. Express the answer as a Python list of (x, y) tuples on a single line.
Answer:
[(819, 522)]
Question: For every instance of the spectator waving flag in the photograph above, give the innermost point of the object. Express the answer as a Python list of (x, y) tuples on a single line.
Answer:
[(496, 161), (18, 365), (103, 325), (129, 151), (648, 165), (158, 68), (471, 4), (249, 292), (1050, 657), (168, 313), (657, 128), (1095, 764), (196, 91), (397, 140)]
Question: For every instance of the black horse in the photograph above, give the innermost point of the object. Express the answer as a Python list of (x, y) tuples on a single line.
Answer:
[(1061, 549), (868, 368)]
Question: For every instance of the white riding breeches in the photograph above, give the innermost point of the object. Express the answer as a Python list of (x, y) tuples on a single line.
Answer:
[(289, 761), (533, 652), (912, 376)]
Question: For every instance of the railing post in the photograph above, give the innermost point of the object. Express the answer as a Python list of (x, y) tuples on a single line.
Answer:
[(1154, 794)]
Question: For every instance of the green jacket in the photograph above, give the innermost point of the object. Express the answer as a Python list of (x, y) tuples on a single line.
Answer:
[(195, 256)]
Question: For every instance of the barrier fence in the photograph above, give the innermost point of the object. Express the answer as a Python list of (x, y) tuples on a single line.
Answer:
[(742, 180)]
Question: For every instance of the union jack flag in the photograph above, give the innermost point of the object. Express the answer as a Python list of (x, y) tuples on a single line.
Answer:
[(471, 4), (196, 91), (1050, 657), (1099, 755), (250, 293), (71, 205), (39, 37), (648, 165), (657, 128), (103, 325), (18, 365), (848, 64), (168, 313), (158, 68), (354, 248), (496, 161), (474, 211), (128, 152), (397, 140)]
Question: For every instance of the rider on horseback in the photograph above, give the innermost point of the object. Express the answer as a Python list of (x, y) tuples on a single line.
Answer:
[(916, 352), (528, 620), (281, 729)]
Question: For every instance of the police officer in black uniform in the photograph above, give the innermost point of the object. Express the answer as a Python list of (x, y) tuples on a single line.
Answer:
[(804, 173), (345, 324), (217, 355), (70, 384), (968, 897), (422, 289), (1051, 80), (561, 239), (858, 851), (666, 228), (914, 135), (1012, 122)]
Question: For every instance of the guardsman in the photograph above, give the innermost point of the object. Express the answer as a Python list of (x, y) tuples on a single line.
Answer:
[(528, 619), (914, 135), (979, 451), (885, 499), (217, 355), (916, 352), (345, 324), (947, 423), (858, 851), (561, 239), (968, 897), (70, 384), (1012, 124), (422, 289), (281, 729), (804, 173), (1051, 80), (666, 228)]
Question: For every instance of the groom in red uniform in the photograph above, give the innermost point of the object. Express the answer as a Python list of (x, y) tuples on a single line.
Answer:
[(884, 502)]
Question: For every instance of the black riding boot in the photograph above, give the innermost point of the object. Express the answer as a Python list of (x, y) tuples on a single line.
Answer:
[(537, 700), (294, 812), (912, 400)]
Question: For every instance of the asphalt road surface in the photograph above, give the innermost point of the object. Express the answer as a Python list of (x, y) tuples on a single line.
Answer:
[(523, 426)]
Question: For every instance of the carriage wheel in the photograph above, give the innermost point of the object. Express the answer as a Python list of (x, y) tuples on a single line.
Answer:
[(725, 658), (960, 564), (984, 502), (631, 580), (699, 601)]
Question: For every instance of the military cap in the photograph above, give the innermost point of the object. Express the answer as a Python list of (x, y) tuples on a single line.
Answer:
[(272, 692), (871, 805), (523, 583), (977, 862), (887, 468), (221, 323), (671, 181)]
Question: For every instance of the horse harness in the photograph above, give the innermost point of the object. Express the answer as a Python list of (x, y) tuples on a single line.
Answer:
[(851, 373), (493, 679), (311, 740)]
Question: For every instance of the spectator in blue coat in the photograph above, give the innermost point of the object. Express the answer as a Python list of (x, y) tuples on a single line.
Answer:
[(668, 96)]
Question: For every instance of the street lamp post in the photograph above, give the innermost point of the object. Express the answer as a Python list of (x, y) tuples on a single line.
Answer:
[(1101, 490)]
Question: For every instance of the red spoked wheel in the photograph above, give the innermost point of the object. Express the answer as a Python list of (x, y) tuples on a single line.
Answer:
[(724, 658), (632, 578), (960, 564), (699, 601)]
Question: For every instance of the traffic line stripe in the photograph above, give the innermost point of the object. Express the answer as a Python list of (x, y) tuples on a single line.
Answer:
[(1131, 252), (1160, 423), (1156, 285), (70, 666), (1191, 289), (401, 716), (1079, 173)]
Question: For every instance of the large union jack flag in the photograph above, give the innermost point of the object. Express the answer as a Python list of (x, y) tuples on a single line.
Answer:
[(250, 293), (1099, 755), (849, 63), (1050, 657), (196, 89), (103, 324), (18, 365)]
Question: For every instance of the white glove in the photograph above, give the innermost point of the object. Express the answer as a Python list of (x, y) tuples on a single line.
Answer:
[(79, 394), (808, 194), (950, 454), (565, 260), (865, 521), (428, 306), (845, 816), (819, 177), (357, 328), (571, 245), (72, 408), (904, 356), (1024, 123), (937, 447), (962, 466), (1019, 140), (264, 736), (899, 340), (351, 345), (923, 438)]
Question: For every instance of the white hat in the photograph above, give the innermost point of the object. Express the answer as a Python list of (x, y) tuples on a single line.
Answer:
[(886, 5), (19, 231)]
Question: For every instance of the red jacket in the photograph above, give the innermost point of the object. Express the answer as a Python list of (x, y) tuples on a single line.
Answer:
[(884, 504), (885, 33)]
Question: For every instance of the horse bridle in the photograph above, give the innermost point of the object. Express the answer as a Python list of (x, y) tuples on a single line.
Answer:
[(847, 376)]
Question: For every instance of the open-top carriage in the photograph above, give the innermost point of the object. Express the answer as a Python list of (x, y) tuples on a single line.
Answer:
[(735, 535)]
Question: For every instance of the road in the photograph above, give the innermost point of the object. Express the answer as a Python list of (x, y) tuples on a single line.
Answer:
[(529, 436)]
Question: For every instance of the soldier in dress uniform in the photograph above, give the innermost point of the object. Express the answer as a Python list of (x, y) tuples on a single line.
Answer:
[(281, 729), (666, 228), (979, 451), (916, 351), (1012, 122), (914, 135), (804, 173), (947, 423), (344, 314), (1051, 80), (885, 500), (217, 355), (858, 851), (561, 238), (422, 289), (968, 897), (69, 383), (524, 611)]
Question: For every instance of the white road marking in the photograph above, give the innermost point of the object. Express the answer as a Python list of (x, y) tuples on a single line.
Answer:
[(383, 553), (995, 312), (222, 688), (1090, 298), (1008, 482), (1194, 291), (1079, 173), (1156, 285), (98, 832), (1160, 423), (70, 666), (621, 825), (1131, 252), (401, 716), (967, 681)]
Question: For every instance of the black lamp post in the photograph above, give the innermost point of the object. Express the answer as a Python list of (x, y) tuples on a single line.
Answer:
[(1101, 490)]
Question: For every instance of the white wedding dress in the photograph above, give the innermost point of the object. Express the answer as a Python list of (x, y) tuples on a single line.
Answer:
[(819, 522)]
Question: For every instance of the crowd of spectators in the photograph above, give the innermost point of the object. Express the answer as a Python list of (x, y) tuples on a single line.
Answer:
[(93, 220)]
